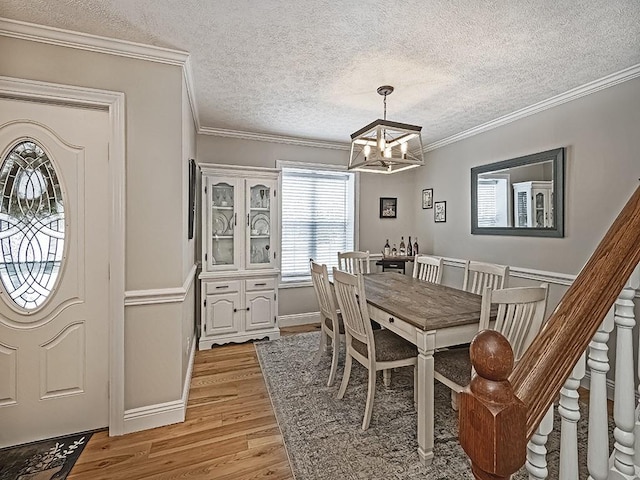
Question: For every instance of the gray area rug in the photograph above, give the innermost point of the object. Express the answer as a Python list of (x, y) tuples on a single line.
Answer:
[(323, 435)]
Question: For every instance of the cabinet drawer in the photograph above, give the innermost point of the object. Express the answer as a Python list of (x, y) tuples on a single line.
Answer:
[(261, 284), (222, 287)]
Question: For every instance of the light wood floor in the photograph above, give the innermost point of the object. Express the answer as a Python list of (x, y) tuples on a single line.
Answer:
[(230, 431)]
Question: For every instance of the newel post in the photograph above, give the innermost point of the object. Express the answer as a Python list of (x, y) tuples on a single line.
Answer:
[(492, 419)]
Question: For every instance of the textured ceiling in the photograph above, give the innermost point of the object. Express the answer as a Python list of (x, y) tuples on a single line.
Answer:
[(310, 69)]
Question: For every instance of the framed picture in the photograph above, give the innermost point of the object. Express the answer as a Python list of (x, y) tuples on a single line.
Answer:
[(440, 212), (427, 198), (192, 197), (388, 207)]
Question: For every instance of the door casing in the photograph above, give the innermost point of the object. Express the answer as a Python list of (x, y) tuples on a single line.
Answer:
[(114, 102)]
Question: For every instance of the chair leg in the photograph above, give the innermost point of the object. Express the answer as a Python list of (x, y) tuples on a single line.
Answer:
[(322, 347), (386, 377), (454, 400), (334, 360), (371, 391), (345, 375)]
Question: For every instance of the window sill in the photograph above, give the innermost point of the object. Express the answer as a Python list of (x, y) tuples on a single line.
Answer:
[(295, 284)]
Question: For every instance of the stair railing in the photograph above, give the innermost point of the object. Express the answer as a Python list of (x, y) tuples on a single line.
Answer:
[(503, 406)]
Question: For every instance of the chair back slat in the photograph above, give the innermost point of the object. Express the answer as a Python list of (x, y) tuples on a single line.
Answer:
[(324, 292), (354, 262), (519, 316), (427, 268), (478, 276), (353, 306)]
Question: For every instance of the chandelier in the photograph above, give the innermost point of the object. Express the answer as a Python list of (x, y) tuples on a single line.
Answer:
[(384, 146)]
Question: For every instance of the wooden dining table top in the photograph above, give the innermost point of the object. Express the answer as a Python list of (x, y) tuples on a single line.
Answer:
[(425, 305)]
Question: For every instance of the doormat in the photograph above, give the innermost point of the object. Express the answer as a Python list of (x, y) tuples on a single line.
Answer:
[(50, 459)]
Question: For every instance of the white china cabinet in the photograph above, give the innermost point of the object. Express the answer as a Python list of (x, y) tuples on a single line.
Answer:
[(533, 203), (240, 254)]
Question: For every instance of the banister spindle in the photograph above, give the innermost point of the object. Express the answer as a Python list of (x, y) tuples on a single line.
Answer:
[(537, 449), (624, 397), (569, 410), (492, 418), (598, 443)]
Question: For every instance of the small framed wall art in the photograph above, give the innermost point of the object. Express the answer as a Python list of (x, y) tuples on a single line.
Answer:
[(388, 207), (427, 198), (440, 212)]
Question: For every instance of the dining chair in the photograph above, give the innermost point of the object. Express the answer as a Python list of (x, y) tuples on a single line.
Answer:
[(374, 349), (520, 313), (330, 319), (354, 262), (478, 275), (427, 268)]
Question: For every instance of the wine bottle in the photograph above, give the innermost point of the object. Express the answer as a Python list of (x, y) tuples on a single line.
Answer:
[(403, 250), (409, 248), (387, 249), (415, 247), (394, 251)]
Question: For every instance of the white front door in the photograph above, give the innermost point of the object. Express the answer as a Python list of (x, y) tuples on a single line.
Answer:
[(54, 271)]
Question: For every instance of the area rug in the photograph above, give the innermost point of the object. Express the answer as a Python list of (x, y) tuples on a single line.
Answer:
[(323, 437), (50, 459)]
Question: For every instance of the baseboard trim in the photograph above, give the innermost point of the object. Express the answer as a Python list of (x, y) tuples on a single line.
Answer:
[(162, 414), (152, 416), (187, 378), (298, 319)]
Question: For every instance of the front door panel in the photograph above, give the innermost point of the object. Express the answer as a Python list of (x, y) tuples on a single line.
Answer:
[(54, 354)]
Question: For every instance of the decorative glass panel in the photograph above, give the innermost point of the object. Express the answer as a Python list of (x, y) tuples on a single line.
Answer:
[(31, 225), (260, 222), (223, 221)]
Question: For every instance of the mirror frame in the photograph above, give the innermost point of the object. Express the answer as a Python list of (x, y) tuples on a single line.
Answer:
[(557, 156)]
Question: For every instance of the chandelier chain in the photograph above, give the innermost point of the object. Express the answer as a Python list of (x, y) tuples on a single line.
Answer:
[(385, 106)]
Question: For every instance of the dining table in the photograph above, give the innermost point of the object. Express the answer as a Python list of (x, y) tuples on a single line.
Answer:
[(431, 316)]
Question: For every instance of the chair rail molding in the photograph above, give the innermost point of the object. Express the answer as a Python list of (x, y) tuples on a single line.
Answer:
[(161, 295)]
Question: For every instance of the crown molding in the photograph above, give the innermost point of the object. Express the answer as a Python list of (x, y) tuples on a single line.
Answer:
[(264, 137), (93, 43), (110, 46), (573, 94), (191, 93)]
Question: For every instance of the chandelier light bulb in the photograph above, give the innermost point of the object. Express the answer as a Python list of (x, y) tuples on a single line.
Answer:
[(403, 149), (367, 151), (387, 152)]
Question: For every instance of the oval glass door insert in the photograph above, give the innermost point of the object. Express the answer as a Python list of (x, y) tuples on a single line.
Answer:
[(32, 225)]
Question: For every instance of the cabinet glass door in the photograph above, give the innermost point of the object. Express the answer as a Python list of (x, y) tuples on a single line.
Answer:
[(223, 198), (260, 224)]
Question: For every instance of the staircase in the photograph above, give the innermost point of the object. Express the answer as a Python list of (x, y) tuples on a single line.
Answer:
[(506, 413)]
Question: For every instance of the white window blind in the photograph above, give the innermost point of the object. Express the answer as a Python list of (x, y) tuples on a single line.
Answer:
[(493, 201), (317, 219), (487, 200)]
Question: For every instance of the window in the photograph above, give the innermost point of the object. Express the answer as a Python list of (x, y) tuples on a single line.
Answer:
[(493, 201), (318, 219), (31, 225)]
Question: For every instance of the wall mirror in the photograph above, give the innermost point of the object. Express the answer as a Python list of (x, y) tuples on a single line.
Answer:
[(522, 196)]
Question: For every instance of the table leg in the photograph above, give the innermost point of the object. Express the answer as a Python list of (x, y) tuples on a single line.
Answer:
[(426, 347)]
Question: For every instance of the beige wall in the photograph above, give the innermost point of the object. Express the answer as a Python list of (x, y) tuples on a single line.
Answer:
[(373, 230), (157, 254), (600, 133), (153, 145)]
